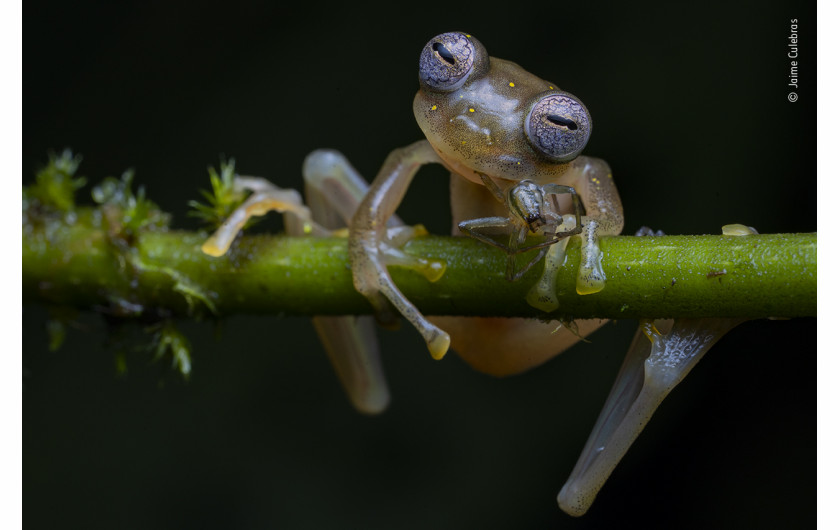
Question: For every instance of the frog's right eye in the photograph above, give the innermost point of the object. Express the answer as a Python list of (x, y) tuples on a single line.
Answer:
[(448, 60)]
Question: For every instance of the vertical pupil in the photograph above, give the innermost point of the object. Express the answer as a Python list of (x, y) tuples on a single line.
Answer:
[(443, 52)]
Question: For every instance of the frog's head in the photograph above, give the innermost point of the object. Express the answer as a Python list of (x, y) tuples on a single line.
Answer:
[(488, 115)]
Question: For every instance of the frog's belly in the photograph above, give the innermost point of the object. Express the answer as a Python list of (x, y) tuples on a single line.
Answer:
[(509, 346)]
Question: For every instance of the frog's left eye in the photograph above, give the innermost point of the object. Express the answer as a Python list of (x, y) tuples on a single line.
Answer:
[(448, 60), (558, 126)]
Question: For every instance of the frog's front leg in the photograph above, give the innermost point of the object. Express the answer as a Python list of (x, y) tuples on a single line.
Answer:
[(371, 251), (604, 216)]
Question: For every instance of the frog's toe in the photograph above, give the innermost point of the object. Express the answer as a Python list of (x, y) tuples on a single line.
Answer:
[(543, 294), (591, 280), (542, 298), (215, 246), (372, 279), (437, 340), (646, 231), (738, 229), (263, 200), (438, 344), (391, 251), (431, 269), (219, 243)]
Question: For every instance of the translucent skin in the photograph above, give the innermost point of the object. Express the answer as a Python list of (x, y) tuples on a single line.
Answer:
[(478, 128), (479, 115), (475, 126)]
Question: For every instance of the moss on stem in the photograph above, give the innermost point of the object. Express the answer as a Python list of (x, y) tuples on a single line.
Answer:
[(74, 261)]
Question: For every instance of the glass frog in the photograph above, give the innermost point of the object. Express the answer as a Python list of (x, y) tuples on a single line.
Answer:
[(512, 143)]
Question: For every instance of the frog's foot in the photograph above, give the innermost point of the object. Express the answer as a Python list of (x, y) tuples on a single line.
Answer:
[(648, 231), (266, 197), (391, 250), (370, 260), (738, 230), (543, 294), (654, 365), (591, 278)]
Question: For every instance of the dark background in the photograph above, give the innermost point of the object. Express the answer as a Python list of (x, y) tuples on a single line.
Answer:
[(690, 109)]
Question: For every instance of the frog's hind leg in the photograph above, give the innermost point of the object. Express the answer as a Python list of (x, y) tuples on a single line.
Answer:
[(333, 191), (351, 345), (654, 365)]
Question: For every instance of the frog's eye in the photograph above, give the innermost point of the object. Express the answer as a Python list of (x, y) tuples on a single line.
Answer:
[(558, 126), (448, 59)]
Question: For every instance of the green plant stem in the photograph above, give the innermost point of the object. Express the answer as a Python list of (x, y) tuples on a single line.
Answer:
[(165, 273)]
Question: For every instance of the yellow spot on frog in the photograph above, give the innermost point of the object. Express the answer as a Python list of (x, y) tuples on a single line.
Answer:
[(550, 87), (463, 142), (434, 107), (472, 110), (511, 84)]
